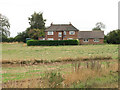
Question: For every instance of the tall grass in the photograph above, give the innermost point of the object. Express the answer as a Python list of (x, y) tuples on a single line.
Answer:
[(81, 72), (91, 70)]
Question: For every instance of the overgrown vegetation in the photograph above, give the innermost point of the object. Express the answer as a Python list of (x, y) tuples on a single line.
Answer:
[(75, 74), (53, 79)]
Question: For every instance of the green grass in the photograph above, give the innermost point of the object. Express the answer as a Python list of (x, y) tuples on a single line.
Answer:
[(20, 52), (18, 73)]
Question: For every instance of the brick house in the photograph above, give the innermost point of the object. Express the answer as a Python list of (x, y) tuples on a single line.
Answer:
[(91, 37), (61, 32), (68, 31)]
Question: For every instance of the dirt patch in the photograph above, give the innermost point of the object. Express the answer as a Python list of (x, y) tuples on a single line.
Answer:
[(38, 64), (27, 83), (35, 62), (49, 64)]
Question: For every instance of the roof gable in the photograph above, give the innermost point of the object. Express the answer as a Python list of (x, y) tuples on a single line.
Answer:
[(61, 27)]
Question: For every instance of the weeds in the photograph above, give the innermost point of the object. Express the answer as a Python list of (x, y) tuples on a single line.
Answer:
[(90, 70), (54, 79)]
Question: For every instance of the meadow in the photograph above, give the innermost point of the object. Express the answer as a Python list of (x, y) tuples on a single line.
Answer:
[(72, 73), (23, 52)]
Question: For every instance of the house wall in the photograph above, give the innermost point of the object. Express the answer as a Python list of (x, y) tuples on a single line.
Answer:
[(101, 41), (56, 37), (41, 38), (75, 36)]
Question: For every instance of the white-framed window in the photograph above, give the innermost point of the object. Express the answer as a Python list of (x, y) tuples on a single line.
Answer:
[(50, 39), (59, 34), (72, 32), (64, 32), (58, 39), (86, 40), (69, 38), (43, 38), (96, 40), (50, 32)]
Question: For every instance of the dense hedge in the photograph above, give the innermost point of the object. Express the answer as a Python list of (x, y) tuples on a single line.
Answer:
[(51, 42)]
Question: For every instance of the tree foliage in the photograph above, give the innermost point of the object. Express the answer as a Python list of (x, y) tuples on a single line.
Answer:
[(21, 37), (36, 29), (99, 26), (36, 33), (37, 25), (113, 37), (4, 25), (36, 21), (4, 38)]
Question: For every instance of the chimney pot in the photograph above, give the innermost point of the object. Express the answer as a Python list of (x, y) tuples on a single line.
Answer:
[(51, 23)]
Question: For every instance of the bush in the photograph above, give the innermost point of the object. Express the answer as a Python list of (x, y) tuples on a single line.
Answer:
[(11, 39), (54, 79), (4, 38), (51, 43), (113, 37)]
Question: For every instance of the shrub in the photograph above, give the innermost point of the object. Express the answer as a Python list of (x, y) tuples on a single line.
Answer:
[(113, 37), (51, 43), (4, 38), (11, 39), (54, 79)]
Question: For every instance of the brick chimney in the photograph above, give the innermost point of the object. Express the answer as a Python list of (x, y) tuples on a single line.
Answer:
[(70, 23), (51, 23)]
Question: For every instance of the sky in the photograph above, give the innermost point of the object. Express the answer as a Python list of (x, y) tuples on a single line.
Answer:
[(83, 14)]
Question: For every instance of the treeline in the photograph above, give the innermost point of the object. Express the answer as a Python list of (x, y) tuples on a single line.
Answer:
[(113, 37)]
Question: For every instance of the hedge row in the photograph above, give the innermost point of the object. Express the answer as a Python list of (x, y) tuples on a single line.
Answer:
[(51, 42)]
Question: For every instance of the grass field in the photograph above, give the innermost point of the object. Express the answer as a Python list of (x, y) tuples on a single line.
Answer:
[(69, 74), (22, 52)]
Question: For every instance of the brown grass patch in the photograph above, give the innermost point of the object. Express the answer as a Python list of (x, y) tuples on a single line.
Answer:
[(67, 59), (82, 74)]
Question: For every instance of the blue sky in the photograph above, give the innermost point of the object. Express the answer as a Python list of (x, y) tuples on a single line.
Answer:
[(83, 14)]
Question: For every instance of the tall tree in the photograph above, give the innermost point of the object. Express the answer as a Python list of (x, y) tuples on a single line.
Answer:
[(37, 25), (36, 21), (99, 26), (4, 26)]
